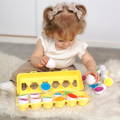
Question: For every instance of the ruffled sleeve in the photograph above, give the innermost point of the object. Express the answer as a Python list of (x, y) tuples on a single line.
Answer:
[(44, 41), (82, 49)]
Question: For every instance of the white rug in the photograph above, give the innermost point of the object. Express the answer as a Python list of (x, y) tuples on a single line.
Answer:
[(101, 107)]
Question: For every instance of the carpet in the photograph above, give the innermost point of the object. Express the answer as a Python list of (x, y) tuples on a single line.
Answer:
[(101, 107)]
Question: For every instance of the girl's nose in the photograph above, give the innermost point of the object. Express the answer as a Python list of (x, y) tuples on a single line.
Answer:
[(68, 43)]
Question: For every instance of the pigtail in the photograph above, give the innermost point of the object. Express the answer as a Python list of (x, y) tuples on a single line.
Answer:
[(48, 26), (82, 8), (45, 14), (82, 22)]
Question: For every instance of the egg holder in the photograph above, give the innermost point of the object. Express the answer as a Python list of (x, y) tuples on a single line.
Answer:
[(50, 89)]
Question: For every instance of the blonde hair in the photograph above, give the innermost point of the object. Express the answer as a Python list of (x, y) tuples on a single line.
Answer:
[(65, 23)]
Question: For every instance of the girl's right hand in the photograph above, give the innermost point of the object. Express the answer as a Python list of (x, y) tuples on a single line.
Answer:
[(43, 61)]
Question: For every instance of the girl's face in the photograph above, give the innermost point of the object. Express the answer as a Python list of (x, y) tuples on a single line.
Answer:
[(61, 43)]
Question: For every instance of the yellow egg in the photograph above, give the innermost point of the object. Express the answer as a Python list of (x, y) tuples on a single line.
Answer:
[(108, 82)]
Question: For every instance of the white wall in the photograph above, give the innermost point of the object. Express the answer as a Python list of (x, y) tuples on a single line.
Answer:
[(18, 17), (24, 17), (102, 20)]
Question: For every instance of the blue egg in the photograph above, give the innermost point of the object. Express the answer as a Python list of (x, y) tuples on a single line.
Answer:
[(93, 85), (57, 93), (45, 86)]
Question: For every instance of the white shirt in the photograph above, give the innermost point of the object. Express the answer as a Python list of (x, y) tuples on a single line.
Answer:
[(65, 57)]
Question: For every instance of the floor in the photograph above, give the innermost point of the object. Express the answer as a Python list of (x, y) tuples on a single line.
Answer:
[(23, 51)]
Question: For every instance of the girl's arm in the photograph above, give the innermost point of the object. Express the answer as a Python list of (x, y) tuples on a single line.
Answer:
[(37, 58), (89, 62)]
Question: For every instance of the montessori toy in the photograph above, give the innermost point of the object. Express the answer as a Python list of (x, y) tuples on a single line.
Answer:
[(104, 73), (99, 86), (51, 64), (50, 89)]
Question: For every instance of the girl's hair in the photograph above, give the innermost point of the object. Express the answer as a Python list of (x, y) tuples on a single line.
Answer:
[(66, 22)]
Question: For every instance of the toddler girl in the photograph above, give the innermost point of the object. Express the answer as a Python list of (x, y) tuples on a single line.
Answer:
[(59, 42)]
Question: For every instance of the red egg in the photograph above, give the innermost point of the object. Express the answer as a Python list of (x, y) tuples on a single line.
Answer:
[(72, 95)]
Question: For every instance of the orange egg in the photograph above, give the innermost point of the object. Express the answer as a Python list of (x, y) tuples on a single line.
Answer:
[(59, 98)]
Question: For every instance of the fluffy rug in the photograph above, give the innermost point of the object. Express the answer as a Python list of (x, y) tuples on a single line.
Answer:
[(101, 107)]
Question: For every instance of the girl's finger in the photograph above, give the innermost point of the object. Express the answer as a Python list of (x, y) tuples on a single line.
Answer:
[(40, 65), (42, 62), (45, 58)]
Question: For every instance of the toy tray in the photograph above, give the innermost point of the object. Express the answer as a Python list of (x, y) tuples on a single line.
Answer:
[(40, 88)]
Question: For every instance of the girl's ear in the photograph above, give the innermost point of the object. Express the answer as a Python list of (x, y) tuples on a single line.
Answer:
[(45, 13), (82, 8)]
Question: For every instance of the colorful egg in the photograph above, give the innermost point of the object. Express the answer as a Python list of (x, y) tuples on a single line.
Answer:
[(45, 86), (51, 64), (35, 100), (100, 89), (47, 99), (71, 96), (57, 94), (35, 95), (61, 98), (23, 99), (108, 82)]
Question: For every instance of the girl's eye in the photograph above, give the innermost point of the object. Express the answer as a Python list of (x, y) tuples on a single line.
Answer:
[(61, 40)]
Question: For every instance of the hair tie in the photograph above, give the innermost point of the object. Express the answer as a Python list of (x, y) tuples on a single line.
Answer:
[(56, 9), (60, 7), (72, 7)]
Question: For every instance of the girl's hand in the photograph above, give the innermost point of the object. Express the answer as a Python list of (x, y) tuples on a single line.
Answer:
[(95, 74), (43, 61)]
